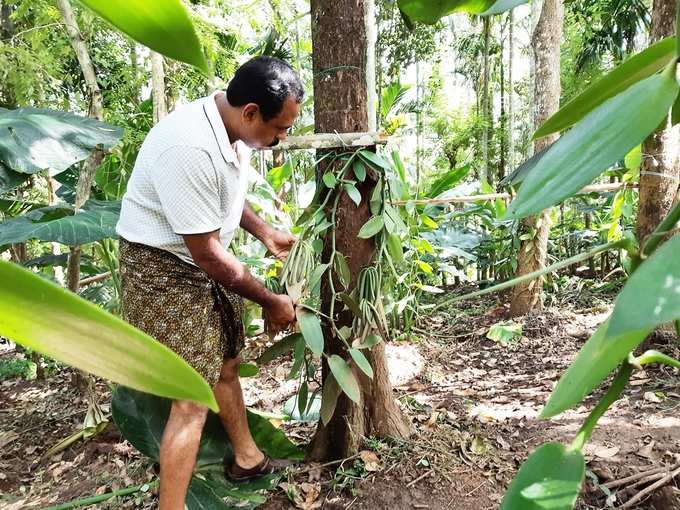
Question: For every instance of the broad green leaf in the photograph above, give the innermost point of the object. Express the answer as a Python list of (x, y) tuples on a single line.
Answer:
[(550, 478), (505, 333), (60, 223), (518, 175), (279, 175), (162, 25), (33, 139), (10, 179), (634, 69), (350, 302), (393, 222), (59, 324), (317, 274), (214, 492), (502, 6), (362, 362), (376, 160), (369, 341), (344, 377), (633, 159), (329, 398), (342, 269), (372, 227), (395, 248), (280, 348), (329, 180), (248, 370), (447, 181), (302, 396), (603, 137), (601, 354), (298, 359), (377, 198), (652, 294), (359, 170), (353, 193), (310, 326)]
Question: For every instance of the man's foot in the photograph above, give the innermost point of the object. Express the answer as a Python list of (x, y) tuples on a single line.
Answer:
[(268, 466)]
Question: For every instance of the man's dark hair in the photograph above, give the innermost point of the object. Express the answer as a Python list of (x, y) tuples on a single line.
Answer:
[(267, 82)]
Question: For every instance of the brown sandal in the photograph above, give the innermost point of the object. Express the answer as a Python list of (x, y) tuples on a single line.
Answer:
[(268, 466)]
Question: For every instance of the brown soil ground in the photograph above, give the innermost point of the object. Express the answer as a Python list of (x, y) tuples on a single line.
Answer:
[(472, 402)]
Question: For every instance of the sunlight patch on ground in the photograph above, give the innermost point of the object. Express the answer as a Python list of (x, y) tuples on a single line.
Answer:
[(404, 362)]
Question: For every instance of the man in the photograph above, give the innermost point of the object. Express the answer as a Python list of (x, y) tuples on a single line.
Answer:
[(180, 284)]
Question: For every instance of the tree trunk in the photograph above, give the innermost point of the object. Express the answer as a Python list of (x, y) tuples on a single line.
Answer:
[(371, 86), (661, 151), (340, 97), (502, 156), (87, 170), (533, 252), (486, 173), (160, 105)]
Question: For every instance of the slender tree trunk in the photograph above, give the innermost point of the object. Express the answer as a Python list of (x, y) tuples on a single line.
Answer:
[(87, 171), (534, 251), (511, 89), (486, 172), (371, 86), (160, 105), (503, 156), (661, 151), (340, 97)]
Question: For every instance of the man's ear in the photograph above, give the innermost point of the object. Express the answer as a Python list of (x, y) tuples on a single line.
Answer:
[(250, 111)]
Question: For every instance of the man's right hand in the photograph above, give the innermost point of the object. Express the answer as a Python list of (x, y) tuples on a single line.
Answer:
[(280, 314)]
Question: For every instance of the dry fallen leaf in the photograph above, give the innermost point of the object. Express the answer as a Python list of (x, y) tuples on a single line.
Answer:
[(370, 460), (605, 452), (7, 437), (650, 396)]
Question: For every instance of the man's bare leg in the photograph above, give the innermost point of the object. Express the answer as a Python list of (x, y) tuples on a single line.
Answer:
[(229, 396), (179, 447)]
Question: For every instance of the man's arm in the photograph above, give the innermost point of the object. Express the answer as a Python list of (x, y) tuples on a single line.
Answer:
[(276, 241), (223, 267)]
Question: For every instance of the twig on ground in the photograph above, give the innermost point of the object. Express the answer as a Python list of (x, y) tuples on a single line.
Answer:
[(646, 492), (632, 478), (424, 475), (300, 471)]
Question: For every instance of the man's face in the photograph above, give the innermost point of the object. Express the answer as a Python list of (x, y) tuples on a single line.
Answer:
[(258, 133)]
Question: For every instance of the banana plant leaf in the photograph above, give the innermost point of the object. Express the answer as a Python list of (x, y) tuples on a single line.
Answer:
[(431, 11), (141, 419), (162, 25), (9, 179), (50, 320), (59, 223), (33, 139)]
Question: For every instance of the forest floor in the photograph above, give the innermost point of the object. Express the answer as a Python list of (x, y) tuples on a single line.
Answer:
[(473, 404)]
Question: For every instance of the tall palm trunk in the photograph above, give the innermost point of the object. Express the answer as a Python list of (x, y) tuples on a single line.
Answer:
[(534, 250)]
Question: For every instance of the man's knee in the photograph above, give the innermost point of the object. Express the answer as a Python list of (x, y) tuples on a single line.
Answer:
[(230, 369), (188, 414)]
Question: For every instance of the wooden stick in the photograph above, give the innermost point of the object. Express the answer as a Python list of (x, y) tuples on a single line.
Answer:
[(595, 188), (424, 475), (330, 141), (95, 279), (646, 492), (637, 476)]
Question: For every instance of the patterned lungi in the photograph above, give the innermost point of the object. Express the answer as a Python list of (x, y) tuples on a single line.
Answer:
[(181, 306)]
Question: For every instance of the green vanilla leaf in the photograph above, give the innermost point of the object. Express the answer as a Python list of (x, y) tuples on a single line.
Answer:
[(550, 478), (162, 25), (344, 377), (651, 295), (248, 370), (600, 355), (431, 11), (362, 362), (631, 71), (55, 322), (280, 348), (310, 326), (603, 137), (502, 6), (353, 193), (372, 227), (329, 398)]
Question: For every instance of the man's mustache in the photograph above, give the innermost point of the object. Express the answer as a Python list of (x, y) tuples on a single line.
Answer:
[(274, 143)]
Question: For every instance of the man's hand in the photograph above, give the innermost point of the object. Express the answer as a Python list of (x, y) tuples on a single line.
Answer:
[(280, 243), (279, 315)]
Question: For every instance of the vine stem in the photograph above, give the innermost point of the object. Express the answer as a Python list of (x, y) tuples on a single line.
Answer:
[(76, 503), (612, 395)]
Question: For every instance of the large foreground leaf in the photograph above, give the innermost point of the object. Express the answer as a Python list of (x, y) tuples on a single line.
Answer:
[(594, 362), (162, 25), (431, 11), (550, 479), (141, 419), (10, 179), (634, 69), (34, 139), (96, 221), (603, 137), (652, 294), (59, 324)]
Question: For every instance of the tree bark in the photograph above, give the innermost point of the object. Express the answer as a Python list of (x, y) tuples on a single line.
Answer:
[(486, 172), (534, 251), (511, 90), (371, 86), (340, 97), (660, 169), (160, 104)]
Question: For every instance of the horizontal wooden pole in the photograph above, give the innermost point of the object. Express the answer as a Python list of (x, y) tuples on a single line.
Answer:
[(595, 188), (330, 141)]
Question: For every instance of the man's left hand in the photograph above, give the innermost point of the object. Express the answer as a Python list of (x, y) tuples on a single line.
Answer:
[(280, 243)]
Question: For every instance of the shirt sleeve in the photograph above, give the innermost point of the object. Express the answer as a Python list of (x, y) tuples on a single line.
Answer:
[(186, 182)]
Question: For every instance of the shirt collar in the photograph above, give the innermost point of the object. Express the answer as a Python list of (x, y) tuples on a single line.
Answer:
[(212, 113)]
